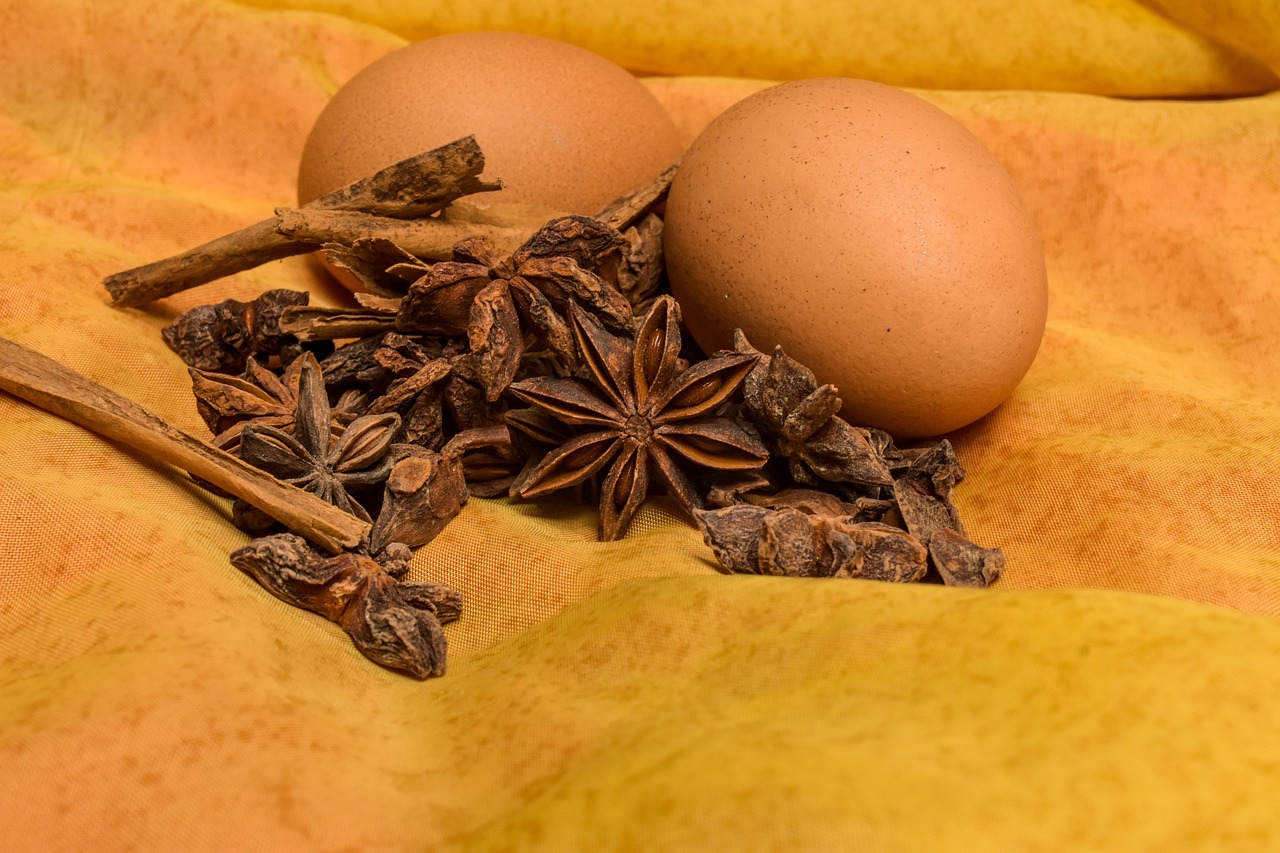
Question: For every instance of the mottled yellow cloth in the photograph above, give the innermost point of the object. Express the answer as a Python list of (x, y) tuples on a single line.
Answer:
[(1119, 689)]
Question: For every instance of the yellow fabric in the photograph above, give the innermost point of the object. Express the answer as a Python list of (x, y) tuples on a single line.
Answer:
[(1116, 691), (1101, 46)]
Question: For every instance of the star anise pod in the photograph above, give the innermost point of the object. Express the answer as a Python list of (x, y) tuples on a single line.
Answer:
[(224, 336), (800, 418), (642, 416), (495, 302), (311, 457)]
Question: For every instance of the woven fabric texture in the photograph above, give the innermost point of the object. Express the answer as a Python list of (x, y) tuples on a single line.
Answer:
[(1116, 690)]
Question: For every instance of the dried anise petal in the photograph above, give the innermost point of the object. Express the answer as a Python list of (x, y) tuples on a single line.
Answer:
[(351, 404), (735, 487), (733, 535), (640, 416), (790, 544), (808, 501), (878, 509), (442, 600), (402, 393), (371, 317), (923, 492), (377, 263), (585, 241), (423, 423), (310, 458), (225, 401), (439, 301), (962, 563), (815, 502), (751, 539), (490, 471), (628, 209), (403, 356), (642, 262), (496, 337), (784, 398), (397, 627), (874, 551), (356, 365), (222, 337)]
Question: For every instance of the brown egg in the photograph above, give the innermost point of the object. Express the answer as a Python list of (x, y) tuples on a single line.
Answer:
[(874, 238), (565, 129)]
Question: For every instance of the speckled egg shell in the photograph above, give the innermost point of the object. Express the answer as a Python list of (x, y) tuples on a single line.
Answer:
[(564, 128), (871, 235)]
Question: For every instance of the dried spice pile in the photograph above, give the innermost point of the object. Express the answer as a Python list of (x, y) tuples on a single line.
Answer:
[(465, 370)]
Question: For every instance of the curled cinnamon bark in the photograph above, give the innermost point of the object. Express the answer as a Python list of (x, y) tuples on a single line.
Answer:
[(49, 385)]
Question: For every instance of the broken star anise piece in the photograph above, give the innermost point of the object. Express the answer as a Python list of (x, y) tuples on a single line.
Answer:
[(395, 625), (641, 416), (425, 490), (749, 539), (311, 458), (923, 493), (800, 417)]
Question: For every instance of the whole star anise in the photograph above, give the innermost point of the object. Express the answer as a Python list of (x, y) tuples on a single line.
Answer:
[(497, 300), (311, 457), (642, 415), (498, 303)]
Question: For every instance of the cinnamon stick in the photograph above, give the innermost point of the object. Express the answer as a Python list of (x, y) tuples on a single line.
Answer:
[(413, 188), (317, 323), (432, 239), (55, 388)]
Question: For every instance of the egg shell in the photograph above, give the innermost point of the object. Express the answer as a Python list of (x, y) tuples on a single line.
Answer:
[(565, 129), (873, 237)]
